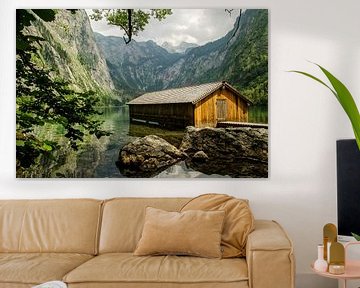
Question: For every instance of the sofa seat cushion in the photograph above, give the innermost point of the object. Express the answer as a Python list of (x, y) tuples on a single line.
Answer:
[(36, 268), (127, 268)]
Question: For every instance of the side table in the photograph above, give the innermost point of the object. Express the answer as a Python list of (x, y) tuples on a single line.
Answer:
[(352, 269)]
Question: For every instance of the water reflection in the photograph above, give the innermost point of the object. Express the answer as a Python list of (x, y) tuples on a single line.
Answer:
[(258, 114), (173, 137), (98, 160), (182, 170), (97, 157)]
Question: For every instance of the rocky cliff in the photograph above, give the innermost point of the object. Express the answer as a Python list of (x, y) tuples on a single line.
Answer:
[(70, 50), (135, 67)]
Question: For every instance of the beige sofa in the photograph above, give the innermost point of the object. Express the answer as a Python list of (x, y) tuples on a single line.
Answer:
[(89, 243)]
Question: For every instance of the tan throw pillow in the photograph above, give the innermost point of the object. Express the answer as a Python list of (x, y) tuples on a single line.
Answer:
[(196, 233), (239, 220)]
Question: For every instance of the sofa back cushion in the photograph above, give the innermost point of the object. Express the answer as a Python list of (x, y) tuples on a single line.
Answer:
[(123, 220), (66, 226), (238, 224)]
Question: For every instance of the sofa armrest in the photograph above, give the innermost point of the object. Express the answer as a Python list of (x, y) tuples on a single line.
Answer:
[(269, 256)]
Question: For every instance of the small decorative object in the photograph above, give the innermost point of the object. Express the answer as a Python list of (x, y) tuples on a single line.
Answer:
[(328, 252), (320, 264), (340, 266), (330, 236), (336, 269), (337, 258)]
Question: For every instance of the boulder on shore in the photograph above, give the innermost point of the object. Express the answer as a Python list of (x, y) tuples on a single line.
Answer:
[(200, 156), (147, 156), (237, 152), (234, 152)]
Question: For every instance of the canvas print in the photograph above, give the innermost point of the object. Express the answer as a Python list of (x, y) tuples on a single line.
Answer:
[(123, 93)]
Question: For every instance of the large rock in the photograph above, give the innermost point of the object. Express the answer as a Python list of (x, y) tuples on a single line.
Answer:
[(237, 152), (200, 156), (147, 156)]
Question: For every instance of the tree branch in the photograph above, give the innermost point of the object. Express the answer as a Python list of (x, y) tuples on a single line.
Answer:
[(229, 11)]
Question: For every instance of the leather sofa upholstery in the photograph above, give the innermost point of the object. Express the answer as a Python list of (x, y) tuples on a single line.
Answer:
[(123, 218), (89, 243)]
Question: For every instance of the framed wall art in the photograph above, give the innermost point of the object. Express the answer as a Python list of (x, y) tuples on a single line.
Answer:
[(114, 93)]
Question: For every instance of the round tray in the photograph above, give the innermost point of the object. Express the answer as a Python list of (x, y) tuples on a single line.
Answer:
[(352, 271)]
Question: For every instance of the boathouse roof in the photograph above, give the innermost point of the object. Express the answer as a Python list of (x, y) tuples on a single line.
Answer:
[(189, 94)]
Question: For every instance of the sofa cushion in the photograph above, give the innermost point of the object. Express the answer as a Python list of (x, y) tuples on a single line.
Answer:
[(239, 220), (63, 226), (123, 220), (126, 268), (36, 268), (193, 232)]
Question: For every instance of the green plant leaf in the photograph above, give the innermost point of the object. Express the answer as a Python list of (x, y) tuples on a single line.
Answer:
[(316, 79), (347, 102), (356, 236), (344, 97), (20, 143), (47, 147)]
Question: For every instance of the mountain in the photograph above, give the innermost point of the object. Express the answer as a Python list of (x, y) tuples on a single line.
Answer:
[(71, 52), (240, 57), (137, 66), (183, 47), (248, 56)]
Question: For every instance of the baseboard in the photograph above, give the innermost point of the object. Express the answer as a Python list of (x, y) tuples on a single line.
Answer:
[(310, 280)]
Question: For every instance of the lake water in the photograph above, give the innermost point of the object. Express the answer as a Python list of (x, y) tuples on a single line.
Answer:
[(97, 158)]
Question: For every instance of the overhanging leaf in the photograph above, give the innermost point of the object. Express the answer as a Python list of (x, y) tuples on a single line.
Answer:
[(20, 143), (347, 102), (344, 97), (357, 237), (47, 147), (316, 79)]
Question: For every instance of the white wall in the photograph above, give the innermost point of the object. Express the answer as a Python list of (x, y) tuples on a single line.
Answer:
[(305, 120)]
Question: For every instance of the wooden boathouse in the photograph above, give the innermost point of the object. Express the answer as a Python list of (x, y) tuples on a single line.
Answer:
[(203, 105)]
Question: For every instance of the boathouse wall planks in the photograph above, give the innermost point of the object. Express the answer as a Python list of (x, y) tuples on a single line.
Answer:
[(202, 105)]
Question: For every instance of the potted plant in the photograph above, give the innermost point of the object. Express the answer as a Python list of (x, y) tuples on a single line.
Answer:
[(346, 100)]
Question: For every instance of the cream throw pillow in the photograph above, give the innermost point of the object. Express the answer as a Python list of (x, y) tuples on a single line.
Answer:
[(238, 223), (193, 232)]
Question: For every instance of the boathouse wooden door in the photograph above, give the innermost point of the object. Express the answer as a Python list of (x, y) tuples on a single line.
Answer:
[(221, 109)]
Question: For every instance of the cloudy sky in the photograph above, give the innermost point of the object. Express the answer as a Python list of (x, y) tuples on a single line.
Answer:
[(191, 25)]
